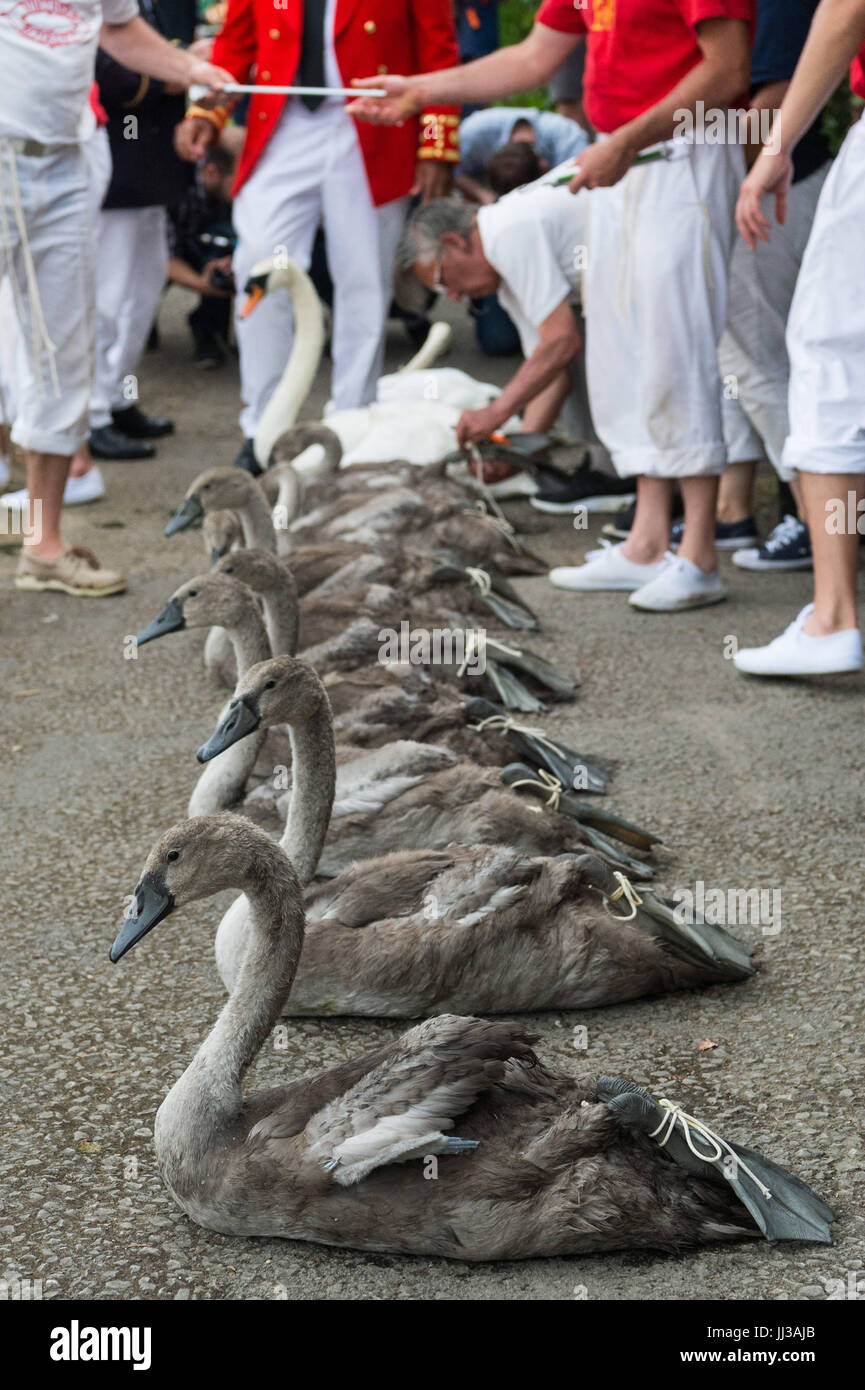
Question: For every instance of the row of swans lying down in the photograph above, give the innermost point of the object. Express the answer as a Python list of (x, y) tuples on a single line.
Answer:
[(402, 792), (544, 1164), (415, 416), (473, 916)]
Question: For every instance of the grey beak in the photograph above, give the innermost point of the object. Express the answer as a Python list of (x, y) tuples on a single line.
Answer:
[(240, 720), (216, 554), (153, 902), (189, 510), (171, 619)]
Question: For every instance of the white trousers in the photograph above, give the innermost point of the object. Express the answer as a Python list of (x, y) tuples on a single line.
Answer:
[(132, 265), (753, 351), (826, 333), (312, 172), (654, 297), (45, 245), (13, 351)]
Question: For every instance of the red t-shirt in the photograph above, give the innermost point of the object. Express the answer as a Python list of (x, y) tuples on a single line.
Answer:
[(857, 74), (638, 50)]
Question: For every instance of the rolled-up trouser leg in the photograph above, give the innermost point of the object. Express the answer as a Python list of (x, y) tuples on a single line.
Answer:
[(826, 331), (658, 249), (53, 382)]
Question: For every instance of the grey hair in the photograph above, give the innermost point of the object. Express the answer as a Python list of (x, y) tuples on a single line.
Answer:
[(422, 238)]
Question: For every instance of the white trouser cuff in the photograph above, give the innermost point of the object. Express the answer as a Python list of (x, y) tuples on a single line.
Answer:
[(42, 442), (671, 463), (815, 456)]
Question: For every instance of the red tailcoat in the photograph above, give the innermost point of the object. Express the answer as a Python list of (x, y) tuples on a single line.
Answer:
[(372, 37)]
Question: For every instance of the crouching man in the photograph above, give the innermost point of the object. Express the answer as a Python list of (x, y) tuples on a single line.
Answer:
[(526, 250)]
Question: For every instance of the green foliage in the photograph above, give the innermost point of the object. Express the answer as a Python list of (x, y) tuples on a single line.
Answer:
[(841, 110), (516, 18)]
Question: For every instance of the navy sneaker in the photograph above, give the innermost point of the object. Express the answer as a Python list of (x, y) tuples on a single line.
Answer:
[(620, 527), (729, 535), (787, 548)]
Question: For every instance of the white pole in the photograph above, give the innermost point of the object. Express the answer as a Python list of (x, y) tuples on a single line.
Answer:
[(240, 88)]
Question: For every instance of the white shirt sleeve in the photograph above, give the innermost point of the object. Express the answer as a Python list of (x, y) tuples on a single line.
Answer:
[(516, 243), (119, 11)]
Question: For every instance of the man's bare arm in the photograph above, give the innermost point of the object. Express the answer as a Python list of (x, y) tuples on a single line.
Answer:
[(139, 47), (508, 71), (560, 341), (837, 33)]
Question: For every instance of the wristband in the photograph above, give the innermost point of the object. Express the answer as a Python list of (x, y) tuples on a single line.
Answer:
[(217, 116)]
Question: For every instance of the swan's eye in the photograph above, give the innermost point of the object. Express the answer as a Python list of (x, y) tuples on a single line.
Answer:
[(205, 487), (269, 685), (193, 593), (172, 855)]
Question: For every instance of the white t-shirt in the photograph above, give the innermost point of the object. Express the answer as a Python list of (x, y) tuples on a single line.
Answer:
[(47, 57), (535, 239)]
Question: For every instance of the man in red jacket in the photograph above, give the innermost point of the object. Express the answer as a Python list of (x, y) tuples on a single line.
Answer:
[(306, 162)]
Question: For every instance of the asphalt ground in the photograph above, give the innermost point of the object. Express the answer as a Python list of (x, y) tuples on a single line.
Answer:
[(752, 785)]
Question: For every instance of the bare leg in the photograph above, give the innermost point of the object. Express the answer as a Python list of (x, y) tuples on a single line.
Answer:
[(735, 492), (700, 496), (650, 534), (735, 495), (542, 413), (835, 556), (46, 479), (81, 462)]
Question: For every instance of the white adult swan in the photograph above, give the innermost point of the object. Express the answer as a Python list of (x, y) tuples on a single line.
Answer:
[(415, 416), (563, 1165)]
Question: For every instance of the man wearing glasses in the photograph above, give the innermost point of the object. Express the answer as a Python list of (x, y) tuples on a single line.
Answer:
[(526, 249)]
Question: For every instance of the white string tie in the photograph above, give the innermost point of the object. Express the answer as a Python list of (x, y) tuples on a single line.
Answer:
[(545, 782), (481, 579), (719, 1146), (627, 891), (504, 722)]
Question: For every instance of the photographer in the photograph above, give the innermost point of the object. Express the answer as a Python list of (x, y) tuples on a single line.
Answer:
[(202, 244)]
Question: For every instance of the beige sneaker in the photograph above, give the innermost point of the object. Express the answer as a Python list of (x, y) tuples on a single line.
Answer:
[(77, 571)]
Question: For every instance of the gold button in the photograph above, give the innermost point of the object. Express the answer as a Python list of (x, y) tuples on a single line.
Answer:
[(369, 27), (274, 33), (262, 115), (382, 69), (265, 77)]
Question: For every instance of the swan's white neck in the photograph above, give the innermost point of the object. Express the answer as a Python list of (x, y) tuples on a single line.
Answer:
[(294, 385)]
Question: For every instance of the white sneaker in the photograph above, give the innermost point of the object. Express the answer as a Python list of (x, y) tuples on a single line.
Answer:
[(797, 653), (90, 487), (605, 569), (681, 585), (4, 470)]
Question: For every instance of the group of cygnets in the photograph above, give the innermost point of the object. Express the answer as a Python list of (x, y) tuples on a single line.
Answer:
[(439, 858)]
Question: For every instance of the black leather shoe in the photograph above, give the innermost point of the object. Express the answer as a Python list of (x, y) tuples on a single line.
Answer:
[(247, 461), (110, 443), (136, 425)]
